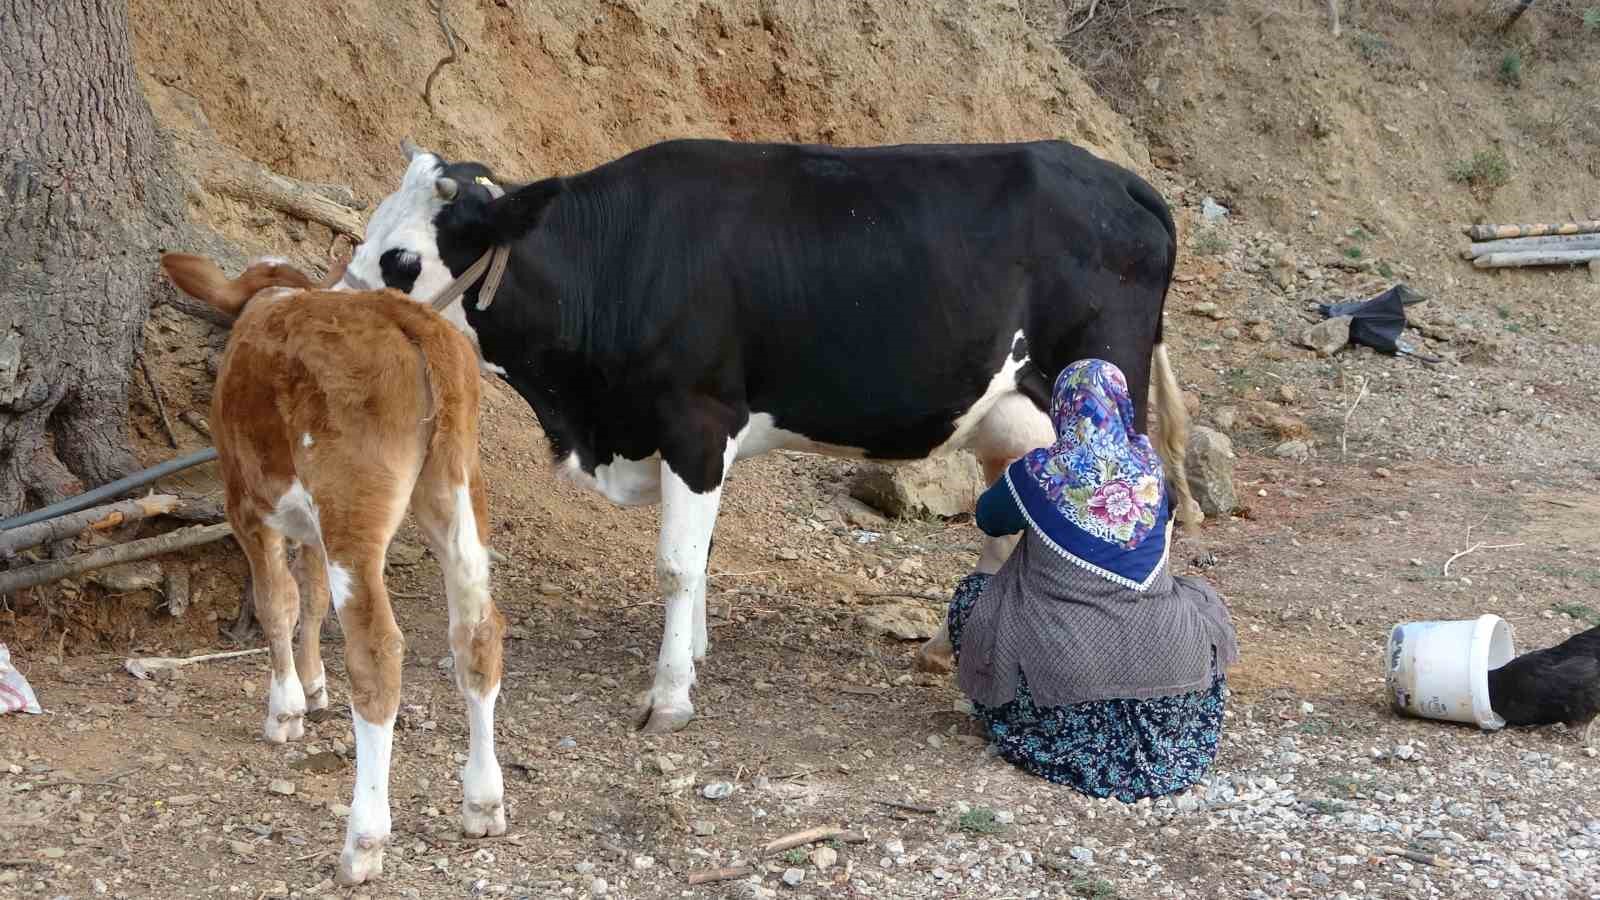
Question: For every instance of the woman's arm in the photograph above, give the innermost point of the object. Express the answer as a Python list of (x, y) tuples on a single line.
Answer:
[(998, 513)]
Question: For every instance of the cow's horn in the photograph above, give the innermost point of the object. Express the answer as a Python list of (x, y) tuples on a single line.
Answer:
[(409, 149), (446, 187)]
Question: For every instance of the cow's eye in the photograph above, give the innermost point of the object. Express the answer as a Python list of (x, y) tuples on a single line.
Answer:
[(400, 268)]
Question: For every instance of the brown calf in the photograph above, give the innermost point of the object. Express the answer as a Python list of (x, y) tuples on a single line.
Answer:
[(333, 413)]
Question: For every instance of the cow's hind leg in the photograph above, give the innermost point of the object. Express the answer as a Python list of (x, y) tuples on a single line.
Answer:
[(1012, 427), (451, 508), (691, 492)]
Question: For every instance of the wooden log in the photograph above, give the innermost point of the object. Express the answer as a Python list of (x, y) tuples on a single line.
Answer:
[(1536, 258), (177, 590), (1547, 242), (1500, 232), (729, 873), (99, 518), (182, 539), (801, 838)]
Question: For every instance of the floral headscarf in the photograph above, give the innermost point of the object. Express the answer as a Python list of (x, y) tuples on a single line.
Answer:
[(1097, 495)]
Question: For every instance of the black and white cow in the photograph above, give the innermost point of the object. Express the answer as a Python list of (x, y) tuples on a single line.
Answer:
[(697, 302)]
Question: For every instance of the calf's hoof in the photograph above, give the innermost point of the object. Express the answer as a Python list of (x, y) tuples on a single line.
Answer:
[(936, 656), (362, 858), (660, 718), (284, 727), (483, 819)]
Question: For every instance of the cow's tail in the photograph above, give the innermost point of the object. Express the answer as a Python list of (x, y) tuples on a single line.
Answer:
[(1166, 397)]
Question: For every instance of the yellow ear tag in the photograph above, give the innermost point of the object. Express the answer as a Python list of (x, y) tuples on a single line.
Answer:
[(484, 180)]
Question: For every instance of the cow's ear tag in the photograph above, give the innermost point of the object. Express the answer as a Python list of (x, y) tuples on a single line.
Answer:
[(484, 180)]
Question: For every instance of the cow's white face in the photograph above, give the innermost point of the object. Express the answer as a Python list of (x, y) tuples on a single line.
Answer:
[(401, 249)]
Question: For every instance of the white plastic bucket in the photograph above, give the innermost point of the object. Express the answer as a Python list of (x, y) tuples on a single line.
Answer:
[(1440, 670)]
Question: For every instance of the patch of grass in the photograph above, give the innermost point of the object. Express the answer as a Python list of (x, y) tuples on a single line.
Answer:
[(795, 857), (1591, 20), (1385, 270), (1582, 612), (1097, 888), (1486, 170), (979, 820), (1211, 243), (1514, 327), (1327, 807), (1502, 310), (1509, 72), (1352, 252), (1318, 727)]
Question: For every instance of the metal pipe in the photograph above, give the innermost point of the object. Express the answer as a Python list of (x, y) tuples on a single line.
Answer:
[(108, 491)]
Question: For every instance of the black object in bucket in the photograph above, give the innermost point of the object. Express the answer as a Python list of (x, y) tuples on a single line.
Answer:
[(1378, 322)]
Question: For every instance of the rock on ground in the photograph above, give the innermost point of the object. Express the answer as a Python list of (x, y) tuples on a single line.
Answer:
[(902, 621), (1209, 461), (939, 486), (1329, 337)]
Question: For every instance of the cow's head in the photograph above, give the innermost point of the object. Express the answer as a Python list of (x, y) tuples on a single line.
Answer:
[(401, 249)]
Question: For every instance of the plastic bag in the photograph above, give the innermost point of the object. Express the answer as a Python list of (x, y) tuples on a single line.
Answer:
[(1380, 321), (15, 693)]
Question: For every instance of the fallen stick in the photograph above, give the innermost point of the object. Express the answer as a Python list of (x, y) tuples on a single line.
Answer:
[(1417, 856), (728, 873), (1474, 549), (801, 838), (912, 594), (142, 666), (161, 405), (1344, 430), (910, 807), (196, 421), (99, 518), (1546, 242), (1500, 232), (1535, 258), (182, 539)]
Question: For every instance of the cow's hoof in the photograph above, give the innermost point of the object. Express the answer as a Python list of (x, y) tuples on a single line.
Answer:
[(362, 858), (284, 727), (936, 656), (485, 819), (653, 718)]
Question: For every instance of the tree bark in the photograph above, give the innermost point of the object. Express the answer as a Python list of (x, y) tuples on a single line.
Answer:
[(83, 207)]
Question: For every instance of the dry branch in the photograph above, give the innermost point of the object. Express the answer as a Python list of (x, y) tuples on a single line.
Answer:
[(142, 666), (1417, 856), (914, 595), (707, 876), (99, 518), (1333, 14), (223, 171), (801, 838), (182, 539), (1536, 258), (1344, 430), (196, 421), (1500, 232), (161, 405), (1093, 7)]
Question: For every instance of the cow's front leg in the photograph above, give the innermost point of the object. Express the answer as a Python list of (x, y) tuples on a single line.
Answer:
[(688, 516)]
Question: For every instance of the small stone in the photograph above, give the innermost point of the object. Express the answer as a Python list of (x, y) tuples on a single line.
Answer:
[(1328, 337), (280, 786), (1299, 451), (717, 790), (824, 858), (788, 555), (598, 887), (1260, 332), (241, 848), (1230, 333), (1204, 309), (1081, 854), (1225, 418), (1288, 393), (663, 765), (1381, 472), (704, 828), (549, 589), (1212, 211), (641, 863), (894, 847), (277, 889), (1404, 751), (935, 741), (792, 876), (1004, 817), (130, 577), (1306, 708), (566, 743), (402, 554)]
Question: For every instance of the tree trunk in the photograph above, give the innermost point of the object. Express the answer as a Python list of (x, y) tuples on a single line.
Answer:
[(83, 207)]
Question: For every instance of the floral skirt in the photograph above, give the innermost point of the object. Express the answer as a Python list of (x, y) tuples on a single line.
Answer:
[(1126, 749)]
